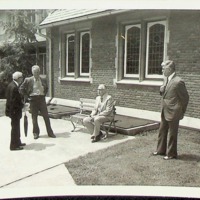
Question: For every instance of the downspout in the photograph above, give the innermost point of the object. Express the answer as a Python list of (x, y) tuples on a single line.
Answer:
[(50, 61)]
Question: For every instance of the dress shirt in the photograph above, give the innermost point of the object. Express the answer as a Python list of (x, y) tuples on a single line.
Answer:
[(38, 88), (101, 103), (169, 78), (16, 83)]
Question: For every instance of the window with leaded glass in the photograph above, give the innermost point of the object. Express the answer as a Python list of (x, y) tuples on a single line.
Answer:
[(155, 48), (132, 51), (84, 53), (142, 49), (70, 54)]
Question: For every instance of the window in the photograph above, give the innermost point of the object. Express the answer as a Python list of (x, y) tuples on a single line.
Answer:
[(84, 53), (39, 58), (31, 16), (155, 48), (143, 50), (132, 51), (42, 63), (77, 54), (70, 54)]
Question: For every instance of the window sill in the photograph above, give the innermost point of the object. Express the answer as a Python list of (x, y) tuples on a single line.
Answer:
[(72, 79), (142, 83)]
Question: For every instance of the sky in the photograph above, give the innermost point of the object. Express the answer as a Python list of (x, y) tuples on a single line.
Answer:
[(101, 4)]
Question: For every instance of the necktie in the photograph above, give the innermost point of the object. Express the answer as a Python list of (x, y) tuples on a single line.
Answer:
[(101, 99), (166, 82)]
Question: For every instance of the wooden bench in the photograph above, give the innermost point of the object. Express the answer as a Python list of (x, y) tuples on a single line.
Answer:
[(86, 107)]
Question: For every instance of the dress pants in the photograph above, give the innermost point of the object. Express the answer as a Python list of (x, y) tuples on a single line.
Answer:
[(15, 132), (94, 124), (37, 104), (171, 128)]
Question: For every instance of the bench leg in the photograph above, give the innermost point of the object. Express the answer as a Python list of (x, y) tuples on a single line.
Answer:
[(106, 130), (105, 136), (115, 127), (73, 125)]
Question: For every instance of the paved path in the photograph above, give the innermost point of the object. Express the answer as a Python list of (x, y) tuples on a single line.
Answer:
[(40, 166)]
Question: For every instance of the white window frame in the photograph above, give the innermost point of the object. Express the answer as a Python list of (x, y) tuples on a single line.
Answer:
[(150, 24), (67, 73), (81, 36), (125, 52)]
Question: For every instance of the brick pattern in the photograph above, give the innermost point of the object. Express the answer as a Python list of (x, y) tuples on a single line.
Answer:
[(183, 48)]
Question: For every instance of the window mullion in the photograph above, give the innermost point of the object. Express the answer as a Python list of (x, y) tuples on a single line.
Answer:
[(143, 52), (76, 55)]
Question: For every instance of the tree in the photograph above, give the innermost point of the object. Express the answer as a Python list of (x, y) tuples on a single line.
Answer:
[(21, 27), (16, 55)]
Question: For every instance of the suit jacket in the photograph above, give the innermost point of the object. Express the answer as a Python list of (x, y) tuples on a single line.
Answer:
[(175, 99), (14, 103), (26, 87), (104, 108)]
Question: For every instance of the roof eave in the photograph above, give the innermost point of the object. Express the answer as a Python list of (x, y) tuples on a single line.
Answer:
[(82, 18)]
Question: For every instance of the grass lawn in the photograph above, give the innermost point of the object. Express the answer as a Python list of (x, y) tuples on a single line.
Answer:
[(132, 163)]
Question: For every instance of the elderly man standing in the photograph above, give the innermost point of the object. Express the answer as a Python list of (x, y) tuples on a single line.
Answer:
[(174, 103), (102, 112), (14, 105), (35, 88)]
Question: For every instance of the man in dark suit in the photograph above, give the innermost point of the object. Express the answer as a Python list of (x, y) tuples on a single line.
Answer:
[(14, 105), (174, 103), (103, 112), (35, 89)]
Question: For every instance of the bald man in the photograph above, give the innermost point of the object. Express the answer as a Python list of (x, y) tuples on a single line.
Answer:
[(103, 112)]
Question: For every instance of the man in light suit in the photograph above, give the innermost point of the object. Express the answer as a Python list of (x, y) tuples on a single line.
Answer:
[(174, 103), (35, 89), (14, 105), (103, 112)]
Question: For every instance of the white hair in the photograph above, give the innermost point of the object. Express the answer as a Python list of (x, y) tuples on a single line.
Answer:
[(101, 87), (17, 75), (35, 67)]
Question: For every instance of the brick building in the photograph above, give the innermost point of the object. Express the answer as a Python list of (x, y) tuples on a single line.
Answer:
[(124, 50)]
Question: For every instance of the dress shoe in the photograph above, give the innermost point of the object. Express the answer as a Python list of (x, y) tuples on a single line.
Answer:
[(22, 144), (155, 153), (96, 139), (100, 134), (169, 157), (36, 136), (51, 135), (16, 148)]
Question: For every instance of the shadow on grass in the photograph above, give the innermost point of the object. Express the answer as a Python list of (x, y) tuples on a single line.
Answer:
[(112, 137), (189, 157)]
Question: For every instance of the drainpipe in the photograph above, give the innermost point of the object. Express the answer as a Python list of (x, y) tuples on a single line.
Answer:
[(50, 61)]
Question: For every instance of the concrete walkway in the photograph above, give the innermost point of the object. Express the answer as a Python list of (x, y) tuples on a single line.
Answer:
[(40, 166)]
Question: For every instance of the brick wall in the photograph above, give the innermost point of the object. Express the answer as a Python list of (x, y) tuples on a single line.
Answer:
[(183, 48)]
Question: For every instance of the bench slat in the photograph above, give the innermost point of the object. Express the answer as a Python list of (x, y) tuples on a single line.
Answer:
[(78, 115), (87, 108), (83, 100)]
